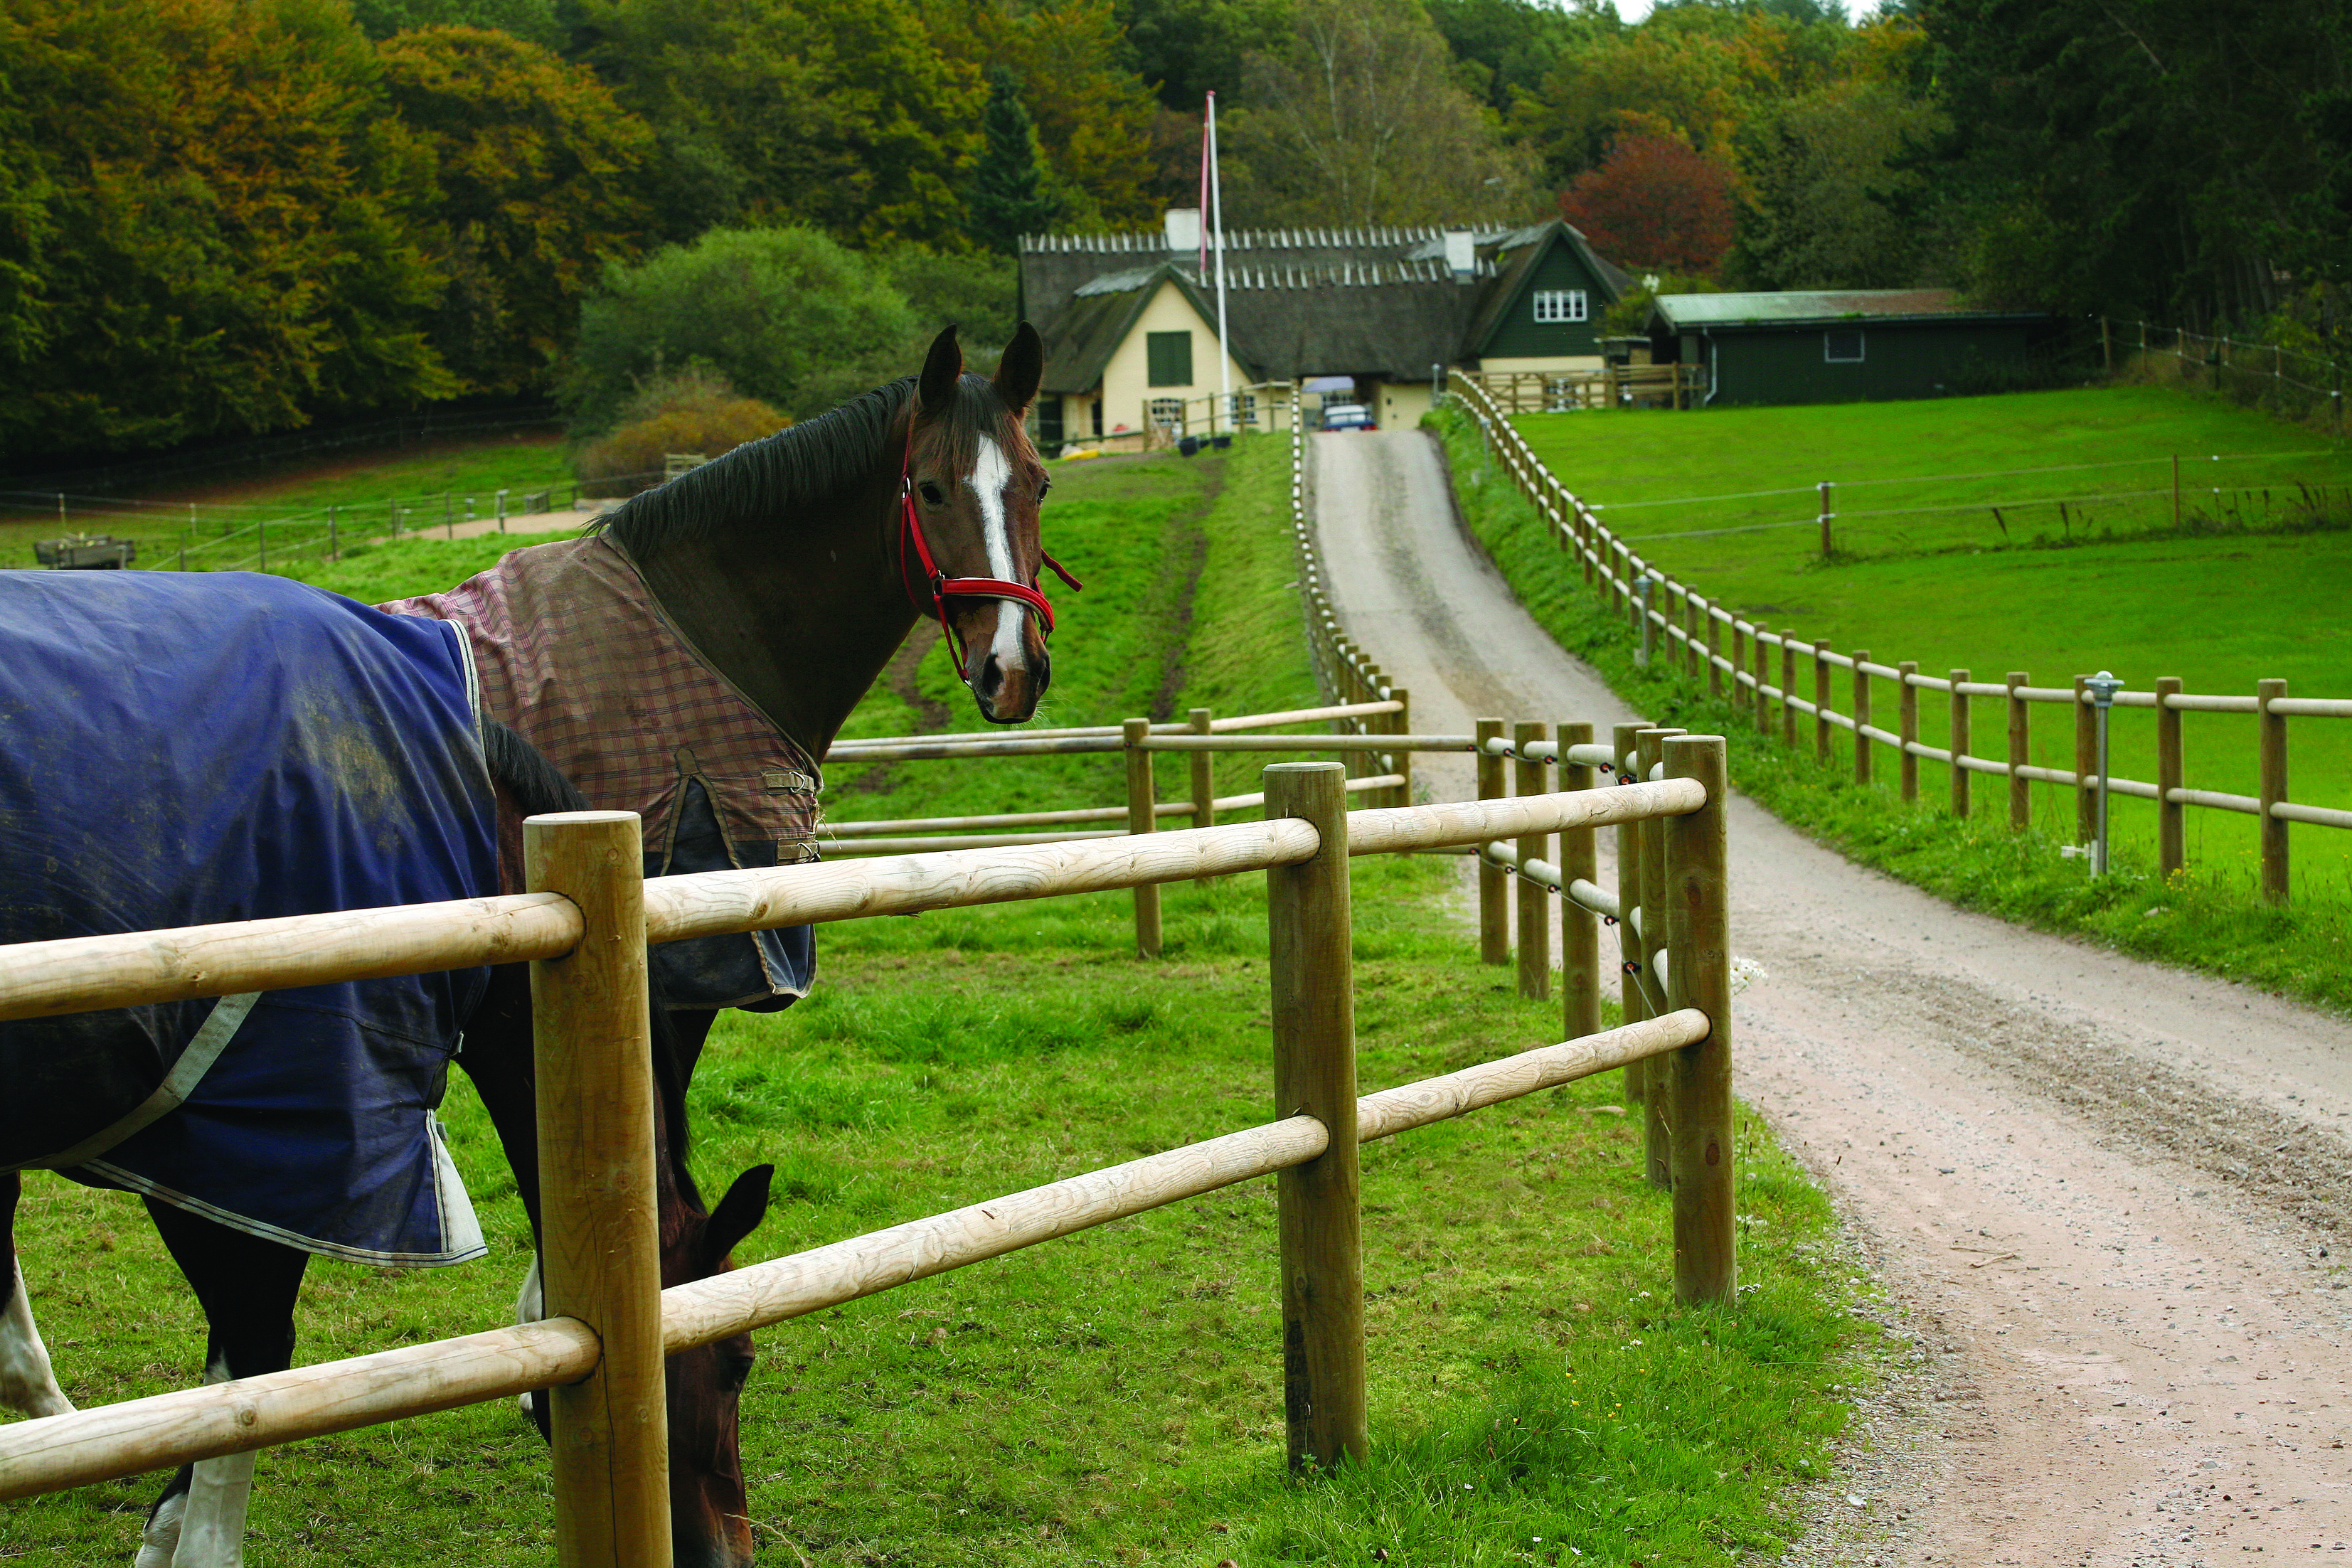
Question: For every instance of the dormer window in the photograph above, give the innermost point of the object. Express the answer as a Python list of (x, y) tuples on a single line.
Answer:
[(1559, 305)]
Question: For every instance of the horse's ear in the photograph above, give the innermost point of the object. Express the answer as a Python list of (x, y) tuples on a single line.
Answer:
[(1023, 367), (739, 1213), (942, 367)]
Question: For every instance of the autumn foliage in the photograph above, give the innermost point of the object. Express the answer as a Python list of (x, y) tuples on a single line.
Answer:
[(1654, 203)]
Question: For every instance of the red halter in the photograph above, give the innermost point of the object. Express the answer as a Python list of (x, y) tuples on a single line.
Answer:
[(932, 590)]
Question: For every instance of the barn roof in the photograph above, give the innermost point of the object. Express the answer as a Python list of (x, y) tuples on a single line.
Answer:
[(1816, 308)]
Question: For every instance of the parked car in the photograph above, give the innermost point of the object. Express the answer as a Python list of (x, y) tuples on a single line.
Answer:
[(1349, 416)]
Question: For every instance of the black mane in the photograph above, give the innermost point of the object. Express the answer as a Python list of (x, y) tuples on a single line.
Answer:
[(800, 466)]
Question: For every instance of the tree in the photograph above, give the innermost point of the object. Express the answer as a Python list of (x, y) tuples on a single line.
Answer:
[(1005, 201), (534, 19), (1654, 204), (538, 180), (1093, 113), (845, 114), (204, 224), (786, 315), (1507, 48), (1359, 121), (1188, 48), (1825, 193)]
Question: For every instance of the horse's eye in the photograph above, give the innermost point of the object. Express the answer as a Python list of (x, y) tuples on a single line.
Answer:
[(1043, 487), (932, 493)]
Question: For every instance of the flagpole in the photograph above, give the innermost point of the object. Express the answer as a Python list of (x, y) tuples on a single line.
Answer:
[(1217, 209)]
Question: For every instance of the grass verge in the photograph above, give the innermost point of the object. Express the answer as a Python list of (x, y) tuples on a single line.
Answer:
[(2208, 917), (1117, 1396)]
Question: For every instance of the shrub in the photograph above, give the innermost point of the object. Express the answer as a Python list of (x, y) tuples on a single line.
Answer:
[(694, 410)]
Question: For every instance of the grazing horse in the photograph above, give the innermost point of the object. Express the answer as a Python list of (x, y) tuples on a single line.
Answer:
[(178, 749)]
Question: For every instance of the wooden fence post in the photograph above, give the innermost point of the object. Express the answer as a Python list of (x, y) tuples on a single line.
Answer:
[(1738, 661), (1141, 796), (2274, 865), (1203, 780), (1959, 742), (2171, 835), (1694, 607), (1860, 718), (1763, 679), (1493, 915), (1906, 711), (1629, 898), (2086, 765), (1788, 686), (600, 1245), (2020, 755), (1820, 701), (1658, 1125), (1534, 899), (1580, 928), (1403, 720), (1699, 975), (1713, 651), (1314, 1009)]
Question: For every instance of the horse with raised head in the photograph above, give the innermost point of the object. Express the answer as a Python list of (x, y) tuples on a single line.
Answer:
[(691, 659)]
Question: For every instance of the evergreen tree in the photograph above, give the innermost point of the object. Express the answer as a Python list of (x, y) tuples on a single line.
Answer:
[(1007, 198)]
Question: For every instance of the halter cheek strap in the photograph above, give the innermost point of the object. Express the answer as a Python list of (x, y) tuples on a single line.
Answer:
[(933, 588)]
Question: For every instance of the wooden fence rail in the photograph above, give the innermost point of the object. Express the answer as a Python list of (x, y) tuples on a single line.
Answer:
[(1693, 628), (586, 934)]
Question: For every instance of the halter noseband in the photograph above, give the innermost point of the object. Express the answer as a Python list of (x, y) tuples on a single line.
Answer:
[(932, 590)]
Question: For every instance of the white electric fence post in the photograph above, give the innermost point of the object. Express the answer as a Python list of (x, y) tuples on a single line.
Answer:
[(2103, 688)]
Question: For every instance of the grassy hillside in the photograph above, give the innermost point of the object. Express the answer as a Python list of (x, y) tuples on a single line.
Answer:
[(1951, 589), (1115, 1397)]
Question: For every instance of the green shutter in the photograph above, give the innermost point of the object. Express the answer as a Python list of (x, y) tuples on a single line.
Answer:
[(1170, 358)]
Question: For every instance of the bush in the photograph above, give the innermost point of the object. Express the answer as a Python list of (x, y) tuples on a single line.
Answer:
[(692, 410), (786, 315)]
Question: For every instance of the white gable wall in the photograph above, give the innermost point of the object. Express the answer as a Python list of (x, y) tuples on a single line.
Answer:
[(1127, 380)]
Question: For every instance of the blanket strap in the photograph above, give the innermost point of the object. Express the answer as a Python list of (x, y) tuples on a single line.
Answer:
[(196, 1061)]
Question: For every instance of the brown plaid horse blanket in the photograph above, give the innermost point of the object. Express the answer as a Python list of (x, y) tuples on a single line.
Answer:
[(577, 657)]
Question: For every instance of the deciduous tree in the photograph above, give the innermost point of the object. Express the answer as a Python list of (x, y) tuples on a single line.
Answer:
[(1654, 203)]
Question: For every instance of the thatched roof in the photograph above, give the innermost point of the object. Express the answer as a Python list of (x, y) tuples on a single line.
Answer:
[(1298, 302)]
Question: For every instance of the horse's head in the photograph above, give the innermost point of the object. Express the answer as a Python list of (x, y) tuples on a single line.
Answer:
[(710, 1525), (975, 483)]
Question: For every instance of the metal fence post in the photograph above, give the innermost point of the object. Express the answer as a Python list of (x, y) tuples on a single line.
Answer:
[(1203, 779), (1820, 701), (1493, 915), (2171, 838), (1713, 637), (1647, 582), (1789, 686), (1960, 743), (1699, 975), (1534, 899), (2274, 864), (1658, 1127), (2087, 763), (1309, 967), (1142, 818), (1580, 928), (2020, 755), (1763, 679), (1403, 725), (599, 1241), (2103, 688), (1826, 516)]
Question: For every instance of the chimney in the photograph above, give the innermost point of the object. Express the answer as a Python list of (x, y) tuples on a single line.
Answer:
[(1461, 255), (1183, 226)]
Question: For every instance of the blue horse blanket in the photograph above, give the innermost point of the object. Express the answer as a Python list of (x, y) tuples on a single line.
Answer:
[(180, 749)]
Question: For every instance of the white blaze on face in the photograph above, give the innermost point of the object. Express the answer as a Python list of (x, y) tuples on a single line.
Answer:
[(992, 477)]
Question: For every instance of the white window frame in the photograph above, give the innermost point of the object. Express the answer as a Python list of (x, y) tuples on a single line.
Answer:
[(1555, 306), (1861, 346)]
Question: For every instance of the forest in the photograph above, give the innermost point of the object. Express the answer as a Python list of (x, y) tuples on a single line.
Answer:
[(222, 218)]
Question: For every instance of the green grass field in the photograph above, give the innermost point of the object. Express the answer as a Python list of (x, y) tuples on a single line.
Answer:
[(369, 486), (2208, 918), (1114, 1397), (2221, 611)]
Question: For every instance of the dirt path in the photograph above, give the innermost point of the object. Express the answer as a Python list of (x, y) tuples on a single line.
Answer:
[(2114, 1199)]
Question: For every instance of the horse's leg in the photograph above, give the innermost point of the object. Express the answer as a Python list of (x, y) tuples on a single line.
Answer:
[(26, 1382), (498, 1060), (246, 1287)]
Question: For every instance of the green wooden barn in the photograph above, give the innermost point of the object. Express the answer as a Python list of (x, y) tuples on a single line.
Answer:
[(1848, 346)]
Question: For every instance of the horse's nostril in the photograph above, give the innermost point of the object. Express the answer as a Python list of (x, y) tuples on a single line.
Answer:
[(992, 677)]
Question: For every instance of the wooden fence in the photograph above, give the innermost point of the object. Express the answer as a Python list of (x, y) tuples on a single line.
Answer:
[(585, 928), (1613, 386), (1730, 653)]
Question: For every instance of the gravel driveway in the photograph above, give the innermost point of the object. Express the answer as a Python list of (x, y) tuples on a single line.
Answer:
[(2114, 1199)]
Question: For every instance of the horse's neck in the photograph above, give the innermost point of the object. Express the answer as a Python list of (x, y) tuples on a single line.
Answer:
[(800, 617)]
